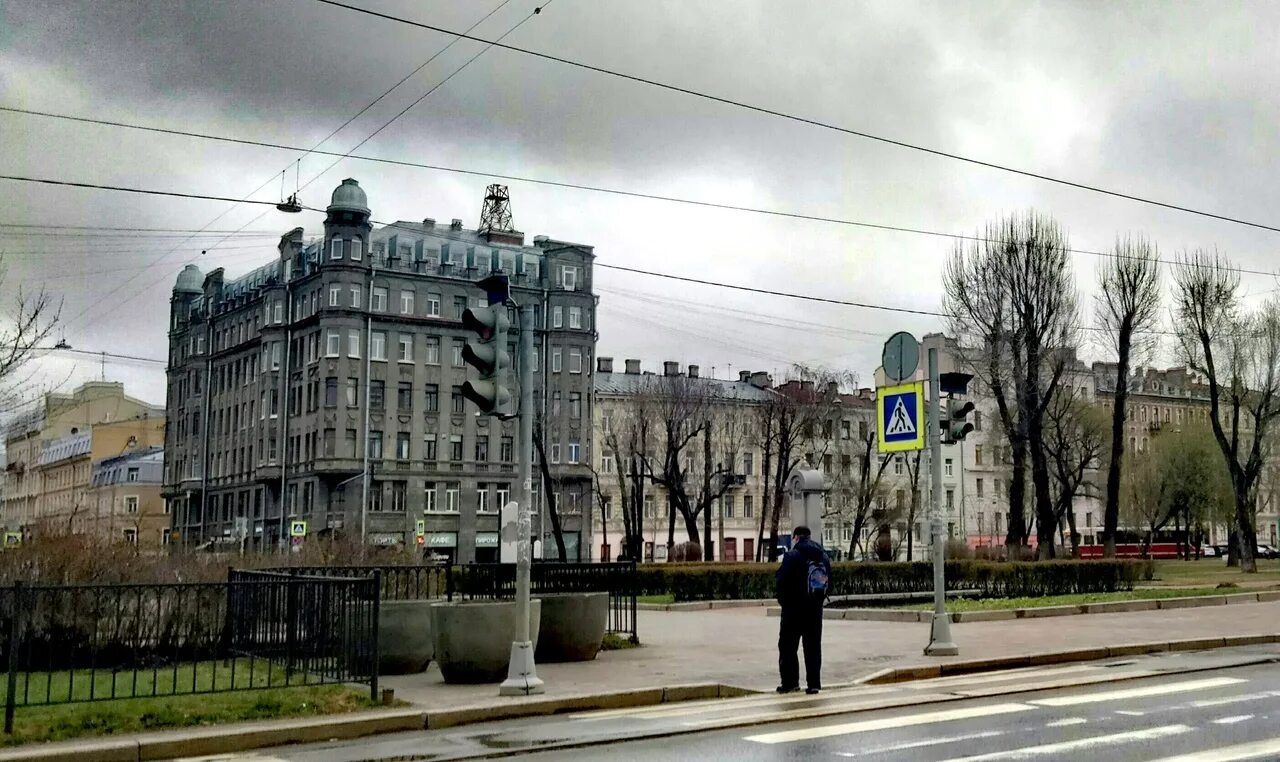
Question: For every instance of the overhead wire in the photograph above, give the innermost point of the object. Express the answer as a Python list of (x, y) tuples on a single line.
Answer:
[(803, 120), (401, 113), (605, 190)]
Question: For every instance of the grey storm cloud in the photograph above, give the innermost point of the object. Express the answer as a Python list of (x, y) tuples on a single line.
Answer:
[(1177, 102)]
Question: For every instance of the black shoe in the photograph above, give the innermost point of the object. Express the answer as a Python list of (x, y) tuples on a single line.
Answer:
[(812, 691), (785, 689)]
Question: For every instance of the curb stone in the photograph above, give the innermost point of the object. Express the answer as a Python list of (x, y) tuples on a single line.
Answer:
[(1103, 607)]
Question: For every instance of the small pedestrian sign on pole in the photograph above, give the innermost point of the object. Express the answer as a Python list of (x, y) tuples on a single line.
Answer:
[(297, 529), (900, 417)]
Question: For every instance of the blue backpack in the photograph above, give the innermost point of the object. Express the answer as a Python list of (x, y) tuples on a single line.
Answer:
[(818, 580)]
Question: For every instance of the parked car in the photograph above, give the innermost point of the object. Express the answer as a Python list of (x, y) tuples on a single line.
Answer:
[(1266, 551), (1209, 551)]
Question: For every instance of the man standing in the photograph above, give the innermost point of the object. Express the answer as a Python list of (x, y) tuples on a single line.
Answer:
[(802, 587)]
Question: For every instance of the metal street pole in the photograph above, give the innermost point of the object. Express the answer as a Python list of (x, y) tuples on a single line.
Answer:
[(522, 676), (940, 643)]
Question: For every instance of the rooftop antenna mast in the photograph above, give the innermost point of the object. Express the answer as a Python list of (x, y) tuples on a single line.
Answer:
[(495, 215)]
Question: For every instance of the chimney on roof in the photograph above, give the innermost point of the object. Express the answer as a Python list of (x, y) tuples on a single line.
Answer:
[(456, 224), (428, 223), (693, 371), (744, 376), (670, 368), (604, 365), (761, 380), (633, 367)]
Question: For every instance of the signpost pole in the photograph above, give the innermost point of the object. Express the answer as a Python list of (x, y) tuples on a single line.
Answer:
[(940, 643), (522, 677)]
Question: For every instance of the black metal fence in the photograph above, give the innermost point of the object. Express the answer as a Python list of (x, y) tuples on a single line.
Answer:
[(76, 643), (399, 582), (498, 581)]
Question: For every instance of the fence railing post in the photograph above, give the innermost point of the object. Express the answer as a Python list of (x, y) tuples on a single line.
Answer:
[(291, 622), (15, 630), (376, 653)]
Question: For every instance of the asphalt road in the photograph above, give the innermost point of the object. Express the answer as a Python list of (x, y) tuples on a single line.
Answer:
[(1212, 706)]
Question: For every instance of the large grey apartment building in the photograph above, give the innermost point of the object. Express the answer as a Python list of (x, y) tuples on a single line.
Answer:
[(344, 357)]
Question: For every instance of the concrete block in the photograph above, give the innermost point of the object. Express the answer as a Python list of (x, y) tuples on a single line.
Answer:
[(997, 615), (881, 615), (832, 614), (1268, 596), (740, 604), (1241, 598), (1232, 641), (733, 691), (1044, 611), (696, 692), (974, 666), (473, 638), (405, 644), (773, 611), (1136, 649), (237, 738), (1065, 657), (1192, 602), (572, 626), (86, 750), (689, 606), (1119, 607), (922, 672), (1196, 644)]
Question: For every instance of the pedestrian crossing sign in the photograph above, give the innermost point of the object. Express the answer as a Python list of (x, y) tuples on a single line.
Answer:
[(900, 417)]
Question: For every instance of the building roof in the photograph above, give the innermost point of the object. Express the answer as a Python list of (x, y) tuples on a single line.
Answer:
[(190, 280), (74, 446), (349, 197), (627, 384)]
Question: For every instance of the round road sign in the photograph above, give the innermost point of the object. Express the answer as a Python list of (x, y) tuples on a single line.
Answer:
[(901, 356)]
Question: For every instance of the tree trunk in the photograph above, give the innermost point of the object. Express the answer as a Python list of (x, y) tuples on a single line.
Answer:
[(1045, 518), (1111, 511), (548, 494), (1016, 536), (1075, 534), (671, 526), (1246, 534), (708, 552)]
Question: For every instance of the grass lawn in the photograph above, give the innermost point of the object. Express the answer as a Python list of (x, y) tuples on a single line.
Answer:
[(1211, 571), (34, 722), (990, 604), (100, 718), (664, 598)]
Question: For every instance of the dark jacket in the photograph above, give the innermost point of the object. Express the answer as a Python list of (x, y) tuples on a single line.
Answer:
[(793, 575)]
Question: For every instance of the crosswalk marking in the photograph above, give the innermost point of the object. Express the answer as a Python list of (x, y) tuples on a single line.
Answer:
[(1130, 713), (1080, 744), (925, 718), (921, 744), (1002, 676), (1235, 699), (1267, 749), (1232, 720), (1151, 690), (679, 708), (1066, 722)]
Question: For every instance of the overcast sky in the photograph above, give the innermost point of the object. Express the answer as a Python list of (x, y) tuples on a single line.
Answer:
[(1178, 102)]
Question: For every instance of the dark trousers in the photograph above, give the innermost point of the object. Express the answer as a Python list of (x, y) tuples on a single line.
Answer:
[(800, 622)]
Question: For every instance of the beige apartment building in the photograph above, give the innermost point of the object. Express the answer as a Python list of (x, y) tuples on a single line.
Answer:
[(125, 503), (60, 418)]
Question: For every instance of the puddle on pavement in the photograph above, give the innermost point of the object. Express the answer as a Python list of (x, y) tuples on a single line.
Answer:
[(496, 741)]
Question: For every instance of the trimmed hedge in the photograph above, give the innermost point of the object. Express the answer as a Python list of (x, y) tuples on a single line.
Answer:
[(992, 579)]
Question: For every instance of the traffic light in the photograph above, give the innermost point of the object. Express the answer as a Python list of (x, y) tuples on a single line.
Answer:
[(492, 391), (954, 425)]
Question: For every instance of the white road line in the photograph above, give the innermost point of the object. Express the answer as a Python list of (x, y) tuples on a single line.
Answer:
[(1066, 722), (849, 728), (1152, 690), (1232, 720), (1081, 744), (1236, 699), (919, 744), (1130, 713), (1267, 749)]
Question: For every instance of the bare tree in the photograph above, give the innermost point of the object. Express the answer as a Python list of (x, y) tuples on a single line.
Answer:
[(1239, 352), (27, 326), (1075, 437), (867, 489), (1128, 306), (1010, 298), (627, 438), (550, 486)]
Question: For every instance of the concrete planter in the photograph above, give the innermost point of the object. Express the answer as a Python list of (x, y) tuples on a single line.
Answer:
[(573, 626), (404, 636), (473, 639)]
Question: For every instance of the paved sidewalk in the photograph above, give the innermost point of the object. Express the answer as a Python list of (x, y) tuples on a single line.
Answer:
[(738, 647)]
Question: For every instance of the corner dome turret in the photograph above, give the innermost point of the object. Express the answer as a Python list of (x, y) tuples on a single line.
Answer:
[(190, 281), (349, 197)]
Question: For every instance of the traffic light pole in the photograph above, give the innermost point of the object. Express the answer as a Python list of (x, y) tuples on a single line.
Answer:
[(940, 642), (522, 677)]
